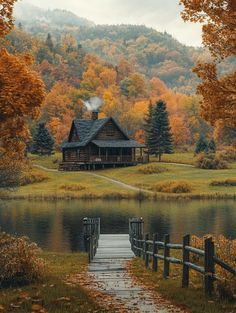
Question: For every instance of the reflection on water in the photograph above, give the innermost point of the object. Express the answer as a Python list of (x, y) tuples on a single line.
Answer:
[(57, 226)]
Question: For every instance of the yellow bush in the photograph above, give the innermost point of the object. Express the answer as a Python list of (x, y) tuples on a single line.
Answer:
[(32, 176), (225, 250), (173, 187), (211, 161), (73, 187), (152, 169), (224, 182), (19, 261)]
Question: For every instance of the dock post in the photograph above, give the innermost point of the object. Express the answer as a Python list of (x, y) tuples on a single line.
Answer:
[(186, 254), (154, 252), (166, 271)]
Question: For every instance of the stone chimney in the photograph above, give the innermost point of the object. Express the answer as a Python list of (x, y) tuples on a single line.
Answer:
[(94, 115)]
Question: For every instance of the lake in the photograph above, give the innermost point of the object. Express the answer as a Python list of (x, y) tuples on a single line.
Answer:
[(57, 226)]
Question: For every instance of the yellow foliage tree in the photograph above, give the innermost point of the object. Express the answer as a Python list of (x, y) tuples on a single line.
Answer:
[(219, 33)]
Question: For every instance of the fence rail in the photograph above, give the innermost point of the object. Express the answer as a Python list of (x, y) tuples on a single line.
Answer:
[(91, 232), (149, 250)]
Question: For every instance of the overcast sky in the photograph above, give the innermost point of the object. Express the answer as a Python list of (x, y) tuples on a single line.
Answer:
[(163, 15)]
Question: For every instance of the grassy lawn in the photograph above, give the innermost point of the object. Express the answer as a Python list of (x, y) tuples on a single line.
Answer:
[(51, 161), (191, 298), (73, 185), (198, 178), (54, 295), (67, 185), (177, 157)]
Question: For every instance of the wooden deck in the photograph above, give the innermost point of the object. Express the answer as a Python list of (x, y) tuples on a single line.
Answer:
[(108, 270)]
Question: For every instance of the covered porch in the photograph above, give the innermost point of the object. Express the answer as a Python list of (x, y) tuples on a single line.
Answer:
[(117, 152)]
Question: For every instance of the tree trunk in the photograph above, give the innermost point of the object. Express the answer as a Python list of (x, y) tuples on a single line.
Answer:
[(159, 157)]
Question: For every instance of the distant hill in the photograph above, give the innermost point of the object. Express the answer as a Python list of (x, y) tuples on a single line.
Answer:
[(30, 15), (153, 53)]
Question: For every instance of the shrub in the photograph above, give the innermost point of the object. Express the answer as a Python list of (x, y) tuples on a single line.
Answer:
[(173, 187), (19, 261), (71, 187), (226, 251), (229, 154), (152, 169), (224, 182), (210, 161), (32, 176)]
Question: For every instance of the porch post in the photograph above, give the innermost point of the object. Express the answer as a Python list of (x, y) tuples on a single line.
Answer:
[(99, 152), (106, 154)]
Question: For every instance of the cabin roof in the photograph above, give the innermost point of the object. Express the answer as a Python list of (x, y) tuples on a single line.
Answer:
[(118, 144), (88, 129)]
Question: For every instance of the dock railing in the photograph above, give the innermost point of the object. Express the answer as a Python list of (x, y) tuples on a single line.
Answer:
[(150, 248), (91, 234)]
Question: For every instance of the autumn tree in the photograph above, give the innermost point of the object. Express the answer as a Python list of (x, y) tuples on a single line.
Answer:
[(219, 33), (160, 138), (180, 130), (6, 16), (21, 94)]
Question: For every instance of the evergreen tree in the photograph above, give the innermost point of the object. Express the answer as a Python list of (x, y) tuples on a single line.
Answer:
[(201, 145), (212, 146), (160, 135), (43, 141), (49, 43), (148, 124)]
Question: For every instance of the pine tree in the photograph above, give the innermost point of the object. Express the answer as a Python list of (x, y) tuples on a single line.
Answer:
[(160, 134), (43, 141), (212, 146), (148, 124), (201, 145), (49, 43)]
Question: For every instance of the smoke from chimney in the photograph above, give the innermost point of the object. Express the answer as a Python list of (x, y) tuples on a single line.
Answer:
[(93, 104)]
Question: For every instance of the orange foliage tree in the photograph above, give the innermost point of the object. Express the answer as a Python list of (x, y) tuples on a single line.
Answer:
[(219, 34), (21, 94), (6, 18), (180, 130)]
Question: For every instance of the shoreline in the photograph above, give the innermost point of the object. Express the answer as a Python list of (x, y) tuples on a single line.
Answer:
[(119, 196)]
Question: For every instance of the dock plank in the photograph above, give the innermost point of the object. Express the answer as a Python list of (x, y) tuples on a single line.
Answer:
[(108, 269)]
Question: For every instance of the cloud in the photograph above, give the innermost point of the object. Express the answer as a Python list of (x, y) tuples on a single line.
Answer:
[(163, 15)]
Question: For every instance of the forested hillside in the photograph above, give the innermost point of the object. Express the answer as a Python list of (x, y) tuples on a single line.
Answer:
[(127, 66)]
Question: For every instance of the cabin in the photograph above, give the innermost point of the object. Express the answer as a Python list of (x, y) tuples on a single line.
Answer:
[(99, 143)]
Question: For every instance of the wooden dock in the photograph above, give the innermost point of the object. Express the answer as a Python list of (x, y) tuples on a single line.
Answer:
[(108, 270)]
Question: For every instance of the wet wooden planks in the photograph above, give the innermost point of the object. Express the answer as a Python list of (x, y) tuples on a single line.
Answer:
[(108, 270)]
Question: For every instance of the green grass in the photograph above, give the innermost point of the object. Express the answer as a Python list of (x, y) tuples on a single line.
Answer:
[(52, 289), (51, 161), (198, 178), (178, 157), (84, 185), (192, 298), (54, 188)]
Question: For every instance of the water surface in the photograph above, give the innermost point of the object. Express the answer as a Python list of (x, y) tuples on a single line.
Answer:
[(57, 226)]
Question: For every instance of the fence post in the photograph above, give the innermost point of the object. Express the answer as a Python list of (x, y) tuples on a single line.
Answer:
[(209, 266), (166, 271), (146, 250), (154, 251), (185, 273)]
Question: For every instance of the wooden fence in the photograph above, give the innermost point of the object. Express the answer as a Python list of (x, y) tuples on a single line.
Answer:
[(149, 248), (91, 233)]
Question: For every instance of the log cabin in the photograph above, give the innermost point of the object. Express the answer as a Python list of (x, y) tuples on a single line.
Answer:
[(99, 143)]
